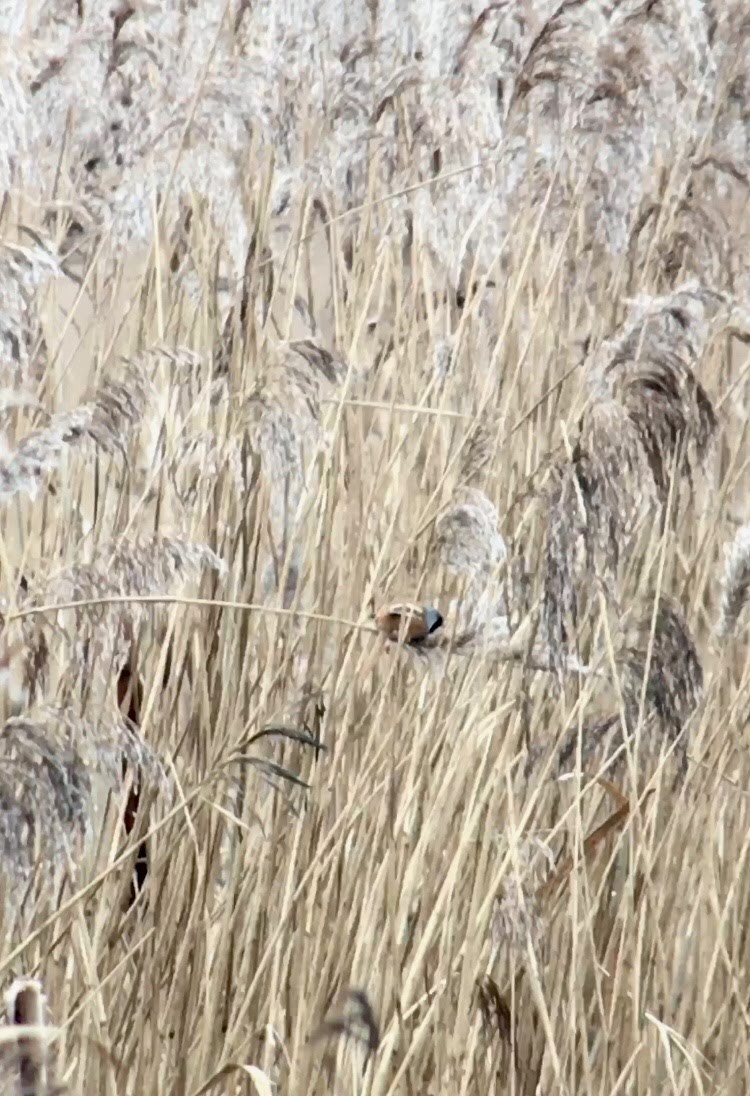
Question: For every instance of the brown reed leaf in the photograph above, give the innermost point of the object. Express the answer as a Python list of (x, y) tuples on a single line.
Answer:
[(615, 821), (494, 1009), (130, 695)]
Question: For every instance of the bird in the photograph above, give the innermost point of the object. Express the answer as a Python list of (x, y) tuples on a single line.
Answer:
[(406, 623)]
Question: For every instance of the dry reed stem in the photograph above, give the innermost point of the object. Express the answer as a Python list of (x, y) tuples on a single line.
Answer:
[(26, 1009)]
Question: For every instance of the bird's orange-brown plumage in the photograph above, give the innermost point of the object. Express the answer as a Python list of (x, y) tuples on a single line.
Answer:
[(406, 623)]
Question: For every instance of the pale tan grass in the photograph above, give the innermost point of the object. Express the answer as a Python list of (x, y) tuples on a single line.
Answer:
[(353, 892)]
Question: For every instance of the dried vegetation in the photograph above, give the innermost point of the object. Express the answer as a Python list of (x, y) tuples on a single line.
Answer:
[(375, 547)]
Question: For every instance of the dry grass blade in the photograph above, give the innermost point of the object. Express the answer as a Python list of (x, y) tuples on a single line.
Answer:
[(261, 1083), (270, 768), (294, 734)]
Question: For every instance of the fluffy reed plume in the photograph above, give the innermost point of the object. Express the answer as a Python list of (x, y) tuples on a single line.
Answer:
[(480, 620), (477, 453), (12, 398), (108, 420), (282, 421), (143, 566), (604, 742), (564, 77), (150, 564), (648, 368), (443, 359), (566, 557), (648, 416), (23, 271), (39, 453), (695, 239), (666, 670), (467, 535), (51, 756), (200, 459), (178, 361), (595, 504), (673, 675), (518, 920), (736, 582), (589, 69), (284, 410)]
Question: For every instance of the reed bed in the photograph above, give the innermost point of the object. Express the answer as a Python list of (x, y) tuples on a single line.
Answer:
[(318, 315)]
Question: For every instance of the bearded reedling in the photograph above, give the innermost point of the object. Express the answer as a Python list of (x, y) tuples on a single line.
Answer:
[(405, 623)]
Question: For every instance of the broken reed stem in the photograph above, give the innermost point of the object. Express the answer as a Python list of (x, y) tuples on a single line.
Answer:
[(594, 839), (26, 1009), (548, 889)]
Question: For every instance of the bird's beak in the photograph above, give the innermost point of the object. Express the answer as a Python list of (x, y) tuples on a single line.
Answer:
[(433, 620)]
